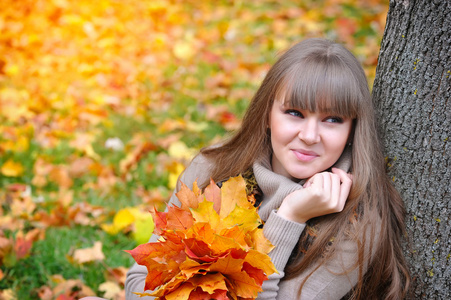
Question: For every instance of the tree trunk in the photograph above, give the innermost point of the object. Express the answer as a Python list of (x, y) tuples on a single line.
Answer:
[(411, 94)]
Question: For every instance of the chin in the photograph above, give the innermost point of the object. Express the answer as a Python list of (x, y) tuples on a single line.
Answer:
[(297, 176)]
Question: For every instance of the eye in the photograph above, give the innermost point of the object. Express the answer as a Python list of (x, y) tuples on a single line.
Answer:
[(333, 119), (294, 113)]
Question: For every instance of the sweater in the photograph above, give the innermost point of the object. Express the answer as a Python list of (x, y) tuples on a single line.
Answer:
[(327, 282)]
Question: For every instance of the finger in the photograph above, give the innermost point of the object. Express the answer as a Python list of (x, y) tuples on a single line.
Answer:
[(307, 183), (340, 172), (346, 183), (316, 181), (327, 183), (335, 192)]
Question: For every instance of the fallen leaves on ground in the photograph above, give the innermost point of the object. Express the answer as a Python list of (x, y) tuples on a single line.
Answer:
[(86, 255), (104, 103), (134, 220)]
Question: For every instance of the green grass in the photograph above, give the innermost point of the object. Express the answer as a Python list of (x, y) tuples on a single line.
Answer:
[(50, 258)]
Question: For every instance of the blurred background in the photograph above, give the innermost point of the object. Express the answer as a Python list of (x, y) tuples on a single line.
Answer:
[(102, 105)]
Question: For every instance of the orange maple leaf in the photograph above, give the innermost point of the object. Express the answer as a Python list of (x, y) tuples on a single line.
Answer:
[(188, 198), (24, 242), (178, 219)]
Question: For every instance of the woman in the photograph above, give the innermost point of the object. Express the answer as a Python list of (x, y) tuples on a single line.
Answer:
[(335, 234)]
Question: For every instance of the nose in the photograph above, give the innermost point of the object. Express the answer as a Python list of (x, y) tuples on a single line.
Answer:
[(309, 131)]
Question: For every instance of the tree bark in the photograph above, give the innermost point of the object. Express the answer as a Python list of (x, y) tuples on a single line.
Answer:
[(411, 94)]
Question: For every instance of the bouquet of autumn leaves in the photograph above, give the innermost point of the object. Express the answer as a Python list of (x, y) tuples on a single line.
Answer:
[(209, 248)]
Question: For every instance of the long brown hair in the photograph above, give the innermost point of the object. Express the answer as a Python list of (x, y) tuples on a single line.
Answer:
[(317, 74)]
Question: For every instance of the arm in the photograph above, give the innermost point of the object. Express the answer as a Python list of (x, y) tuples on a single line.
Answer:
[(136, 276), (284, 235), (336, 277), (324, 193)]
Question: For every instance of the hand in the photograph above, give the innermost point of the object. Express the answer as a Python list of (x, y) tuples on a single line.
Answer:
[(324, 193)]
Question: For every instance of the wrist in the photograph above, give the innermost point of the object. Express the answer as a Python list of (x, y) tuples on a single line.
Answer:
[(288, 215)]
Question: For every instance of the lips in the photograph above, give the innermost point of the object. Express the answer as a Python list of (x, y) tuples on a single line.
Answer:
[(304, 155)]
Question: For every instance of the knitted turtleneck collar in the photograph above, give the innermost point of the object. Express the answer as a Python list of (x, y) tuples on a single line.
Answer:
[(276, 187)]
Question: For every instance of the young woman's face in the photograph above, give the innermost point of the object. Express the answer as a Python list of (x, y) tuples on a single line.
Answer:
[(305, 143)]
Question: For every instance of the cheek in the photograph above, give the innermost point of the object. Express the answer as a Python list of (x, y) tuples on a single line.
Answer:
[(276, 140), (281, 134), (337, 142), (274, 127)]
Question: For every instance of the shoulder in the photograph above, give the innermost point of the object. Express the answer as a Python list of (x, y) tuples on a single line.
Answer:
[(198, 170)]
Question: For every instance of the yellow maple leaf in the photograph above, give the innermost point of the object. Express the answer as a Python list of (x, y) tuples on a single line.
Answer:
[(261, 260), (121, 220), (12, 70), (233, 192), (143, 227), (245, 218), (142, 223), (91, 153), (12, 169), (20, 144), (184, 50), (206, 213), (174, 174), (197, 126), (179, 150), (260, 243)]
